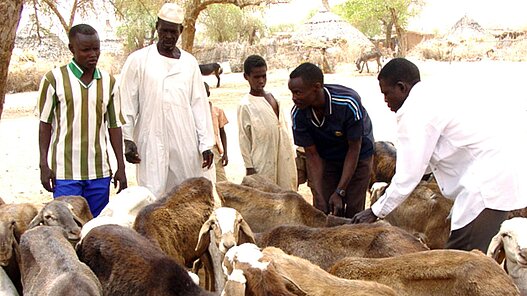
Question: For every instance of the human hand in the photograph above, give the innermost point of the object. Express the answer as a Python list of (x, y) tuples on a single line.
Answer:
[(366, 216), (224, 160), (335, 204), (130, 152), (250, 171), (320, 203), (208, 157), (120, 178), (47, 178)]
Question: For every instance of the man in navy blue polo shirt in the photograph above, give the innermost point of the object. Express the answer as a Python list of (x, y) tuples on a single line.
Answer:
[(335, 130)]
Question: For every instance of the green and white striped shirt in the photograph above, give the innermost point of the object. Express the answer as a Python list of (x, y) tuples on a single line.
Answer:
[(80, 115)]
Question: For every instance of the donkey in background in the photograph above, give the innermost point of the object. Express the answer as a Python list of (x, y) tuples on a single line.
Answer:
[(208, 69), (373, 55)]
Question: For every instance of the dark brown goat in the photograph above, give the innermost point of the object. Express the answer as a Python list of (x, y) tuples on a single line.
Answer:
[(128, 264)]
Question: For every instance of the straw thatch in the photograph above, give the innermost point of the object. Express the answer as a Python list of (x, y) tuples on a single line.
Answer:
[(326, 29), (467, 29)]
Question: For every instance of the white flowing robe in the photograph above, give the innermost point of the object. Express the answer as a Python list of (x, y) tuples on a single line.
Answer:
[(168, 117), (265, 141)]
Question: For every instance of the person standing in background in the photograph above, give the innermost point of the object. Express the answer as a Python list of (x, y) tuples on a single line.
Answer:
[(76, 106), (265, 142), (169, 132), (219, 120)]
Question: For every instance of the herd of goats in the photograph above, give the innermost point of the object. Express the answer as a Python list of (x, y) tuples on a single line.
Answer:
[(251, 238)]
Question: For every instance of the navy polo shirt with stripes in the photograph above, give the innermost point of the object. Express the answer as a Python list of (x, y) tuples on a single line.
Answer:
[(344, 119)]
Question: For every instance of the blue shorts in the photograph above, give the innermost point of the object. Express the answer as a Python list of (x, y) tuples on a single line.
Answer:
[(96, 192)]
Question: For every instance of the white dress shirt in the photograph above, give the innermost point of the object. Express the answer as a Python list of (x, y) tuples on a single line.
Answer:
[(469, 146)]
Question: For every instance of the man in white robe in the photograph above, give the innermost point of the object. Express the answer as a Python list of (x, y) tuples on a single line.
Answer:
[(265, 142), (169, 129)]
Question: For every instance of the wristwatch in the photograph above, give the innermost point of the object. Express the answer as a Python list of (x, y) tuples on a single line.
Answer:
[(341, 192)]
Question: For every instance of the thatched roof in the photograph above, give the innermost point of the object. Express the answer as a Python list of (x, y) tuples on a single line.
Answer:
[(465, 29), (326, 29)]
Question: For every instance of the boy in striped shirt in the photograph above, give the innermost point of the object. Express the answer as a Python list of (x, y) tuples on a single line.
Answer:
[(76, 105)]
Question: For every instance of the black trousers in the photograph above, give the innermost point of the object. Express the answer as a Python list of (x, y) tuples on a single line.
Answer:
[(478, 233), (357, 187)]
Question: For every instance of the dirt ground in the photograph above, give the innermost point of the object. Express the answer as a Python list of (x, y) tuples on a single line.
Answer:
[(486, 82)]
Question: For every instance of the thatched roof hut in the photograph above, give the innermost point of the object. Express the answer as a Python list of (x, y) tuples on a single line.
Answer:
[(467, 29), (326, 39), (326, 28)]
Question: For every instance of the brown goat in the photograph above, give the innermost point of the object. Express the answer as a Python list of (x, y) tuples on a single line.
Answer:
[(61, 212), (430, 273), (262, 183), (384, 160), (50, 266), (325, 246), (425, 213), (127, 264), (263, 210), (273, 269), (173, 222), (14, 221)]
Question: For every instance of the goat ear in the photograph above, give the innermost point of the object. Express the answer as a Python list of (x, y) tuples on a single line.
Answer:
[(203, 236), (78, 220), (36, 221), (246, 230), (292, 287), (496, 250)]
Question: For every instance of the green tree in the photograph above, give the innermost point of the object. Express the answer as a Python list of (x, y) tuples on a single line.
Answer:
[(375, 16), (194, 7), (224, 23), (138, 19)]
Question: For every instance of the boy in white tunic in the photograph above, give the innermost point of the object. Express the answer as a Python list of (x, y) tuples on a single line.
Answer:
[(265, 142)]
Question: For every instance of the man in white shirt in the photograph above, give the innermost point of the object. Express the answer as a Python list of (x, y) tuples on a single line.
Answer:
[(468, 149)]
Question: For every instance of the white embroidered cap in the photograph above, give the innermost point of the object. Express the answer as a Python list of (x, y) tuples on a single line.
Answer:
[(171, 12)]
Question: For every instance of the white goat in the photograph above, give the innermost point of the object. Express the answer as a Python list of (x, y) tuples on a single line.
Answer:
[(511, 244), (224, 229), (122, 209)]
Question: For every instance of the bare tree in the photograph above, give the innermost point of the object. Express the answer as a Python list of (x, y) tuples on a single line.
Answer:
[(53, 7), (11, 11), (194, 7)]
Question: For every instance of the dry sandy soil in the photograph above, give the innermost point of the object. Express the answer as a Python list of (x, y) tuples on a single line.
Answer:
[(486, 82)]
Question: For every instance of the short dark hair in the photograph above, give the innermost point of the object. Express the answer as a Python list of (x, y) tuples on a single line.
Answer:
[(80, 29), (310, 73), (400, 69), (253, 61)]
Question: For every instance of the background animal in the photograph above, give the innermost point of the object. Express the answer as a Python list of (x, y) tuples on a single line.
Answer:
[(374, 55), (325, 246), (431, 273), (208, 69)]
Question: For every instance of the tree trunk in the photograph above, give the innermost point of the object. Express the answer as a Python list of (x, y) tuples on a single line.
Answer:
[(326, 5), (11, 11), (401, 35)]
